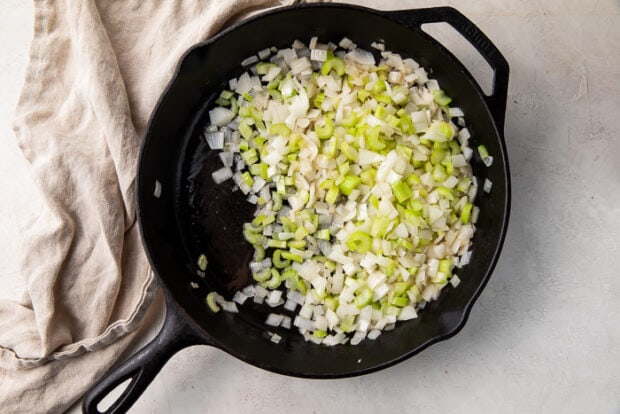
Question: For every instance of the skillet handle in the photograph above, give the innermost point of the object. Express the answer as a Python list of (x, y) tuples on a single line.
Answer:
[(417, 17), (142, 367)]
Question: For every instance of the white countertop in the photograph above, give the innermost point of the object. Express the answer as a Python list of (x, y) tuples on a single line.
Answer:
[(545, 334)]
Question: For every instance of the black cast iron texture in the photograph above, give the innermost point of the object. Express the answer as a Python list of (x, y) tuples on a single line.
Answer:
[(194, 216)]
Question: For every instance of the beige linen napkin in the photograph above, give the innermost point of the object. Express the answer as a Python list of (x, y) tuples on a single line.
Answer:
[(96, 70)]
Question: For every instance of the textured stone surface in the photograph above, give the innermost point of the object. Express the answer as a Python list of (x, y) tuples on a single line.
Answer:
[(544, 336)]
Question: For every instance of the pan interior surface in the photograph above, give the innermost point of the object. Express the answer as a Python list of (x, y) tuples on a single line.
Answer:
[(194, 216)]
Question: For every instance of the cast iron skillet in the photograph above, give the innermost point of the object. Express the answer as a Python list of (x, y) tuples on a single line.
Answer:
[(193, 215)]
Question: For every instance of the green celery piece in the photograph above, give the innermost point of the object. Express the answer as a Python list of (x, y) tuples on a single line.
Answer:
[(279, 129), (465, 214), (210, 299), (259, 253), (202, 262), (359, 241), (277, 244), (297, 244), (292, 256), (440, 97), (380, 226), (262, 276), (401, 191), (277, 259), (362, 95), (363, 297), (349, 184), (325, 130), (323, 234), (275, 280), (400, 301), (250, 156), (332, 195)]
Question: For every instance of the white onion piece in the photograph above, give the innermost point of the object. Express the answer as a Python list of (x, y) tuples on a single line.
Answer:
[(318, 55), (374, 334), (274, 319), (358, 337), (363, 57), (229, 307), (227, 158), (488, 161), (157, 190), (303, 323), (487, 185), (221, 175), (240, 297), (378, 46), (220, 116), (249, 60), (215, 139), (286, 322), (264, 54), (455, 281), (345, 43)]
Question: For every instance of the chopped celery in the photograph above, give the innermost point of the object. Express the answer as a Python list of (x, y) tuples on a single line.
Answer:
[(326, 130), (380, 226), (278, 244), (359, 241), (363, 297), (300, 136), (323, 234), (279, 129), (401, 191), (378, 87), (318, 100), (259, 253), (247, 178), (400, 301), (465, 214), (277, 259), (250, 156), (210, 299), (362, 95), (202, 262), (262, 275), (275, 280), (349, 183), (319, 334), (332, 195), (297, 244), (292, 256), (439, 173), (440, 97), (400, 288)]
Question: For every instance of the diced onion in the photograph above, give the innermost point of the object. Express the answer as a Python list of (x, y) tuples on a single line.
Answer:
[(157, 190), (215, 139), (249, 60), (219, 116), (487, 185), (363, 57), (221, 175), (274, 319), (360, 175)]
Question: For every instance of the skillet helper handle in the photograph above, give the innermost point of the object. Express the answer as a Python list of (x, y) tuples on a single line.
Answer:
[(142, 367), (496, 101)]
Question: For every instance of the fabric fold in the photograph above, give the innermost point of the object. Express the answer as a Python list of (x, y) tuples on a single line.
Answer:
[(96, 71)]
